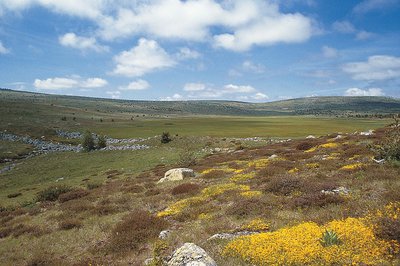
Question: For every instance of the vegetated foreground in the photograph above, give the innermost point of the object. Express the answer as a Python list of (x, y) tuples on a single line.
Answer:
[(330, 200)]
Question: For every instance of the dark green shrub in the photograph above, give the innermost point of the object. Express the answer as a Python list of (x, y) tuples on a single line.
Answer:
[(93, 185), (52, 193), (165, 137), (14, 195), (101, 142), (88, 141)]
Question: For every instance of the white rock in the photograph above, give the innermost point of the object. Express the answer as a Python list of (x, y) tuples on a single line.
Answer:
[(190, 255), (273, 156), (310, 137), (367, 133), (177, 174)]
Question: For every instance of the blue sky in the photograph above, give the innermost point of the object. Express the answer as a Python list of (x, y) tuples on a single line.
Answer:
[(246, 50)]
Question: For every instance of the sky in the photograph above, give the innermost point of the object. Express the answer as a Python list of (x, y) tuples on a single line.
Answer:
[(241, 50)]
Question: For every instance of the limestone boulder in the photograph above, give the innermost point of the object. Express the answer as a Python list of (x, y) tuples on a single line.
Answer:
[(177, 174), (190, 255)]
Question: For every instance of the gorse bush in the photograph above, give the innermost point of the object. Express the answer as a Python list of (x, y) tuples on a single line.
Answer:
[(52, 193), (101, 142)]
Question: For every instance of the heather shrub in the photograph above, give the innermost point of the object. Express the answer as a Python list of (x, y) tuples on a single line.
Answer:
[(284, 185), (70, 223), (317, 200), (14, 195), (52, 193), (73, 194), (187, 188), (134, 230)]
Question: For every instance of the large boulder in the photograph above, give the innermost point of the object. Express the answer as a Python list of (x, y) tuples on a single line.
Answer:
[(190, 255), (177, 174)]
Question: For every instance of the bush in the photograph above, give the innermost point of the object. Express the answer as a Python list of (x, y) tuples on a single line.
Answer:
[(52, 193), (73, 194), (134, 230), (317, 199), (91, 186), (101, 142), (187, 188), (14, 195), (165, 137), (70, 224), (284, 185), (388, 228), (88, 141), (389, 149)]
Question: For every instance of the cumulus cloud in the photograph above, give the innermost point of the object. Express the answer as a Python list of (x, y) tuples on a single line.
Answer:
[(3, 50), (68, 83), (343, 27), (367, 92), (137, 85), (175, 97), (253, 67), (146, 57), (186, 53), (114, 94), (194, 87), (241, 24), (82, 43), (329, 52), (260, 96), (377, 67), (231, 88), (370, 5)]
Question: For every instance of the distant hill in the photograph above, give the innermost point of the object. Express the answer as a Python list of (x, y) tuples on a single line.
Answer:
[(353, 106)]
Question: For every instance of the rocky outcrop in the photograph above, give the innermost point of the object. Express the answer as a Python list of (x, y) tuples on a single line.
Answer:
[(177, 174), (190, 255)]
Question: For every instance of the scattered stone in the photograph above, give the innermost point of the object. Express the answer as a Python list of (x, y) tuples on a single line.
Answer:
[(338, 137), (336, 191), (148, 261), (310, 137), (272, 157), (7, 168), (190, 255), (164, 234), (231, 235), (381, 161), (367, 133), (177, 174)]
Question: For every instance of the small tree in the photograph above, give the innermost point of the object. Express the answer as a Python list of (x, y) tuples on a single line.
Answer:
[(165, 137), (88, 141), (101, 142)]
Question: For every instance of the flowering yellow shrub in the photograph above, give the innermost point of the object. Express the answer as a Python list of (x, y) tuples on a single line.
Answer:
[(329, 145), (238, 171), (204, 216), (225, 169), (300, 245), (312, 165), (293, 170), (205, 194), (256, 225), (251, 193), (243, 177), (353, 166), (260, 163)]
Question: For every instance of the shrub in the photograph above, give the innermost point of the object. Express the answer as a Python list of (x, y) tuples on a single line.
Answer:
[(187, 188), (213, 174), (284, 185), (73, 194), (187, 158), (70, 223), (91, 186), (305, 145), (88, 141), (101, 142), (165, 137), (14, 195), (134, 230), (317, 199), (52, 193)]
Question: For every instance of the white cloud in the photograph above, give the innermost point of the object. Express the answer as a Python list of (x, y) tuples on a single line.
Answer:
[(175, 97), (329, 52), (278, 28), (260, 96), (114, 94), (253, 67), (67, 83), (194, 87), (3, 50), (370, 5), (186, 53), (82, 43), (367, 92), (364, 35), (146, 57), (343, 27), (137, 85), (377, 67), (231, 88)]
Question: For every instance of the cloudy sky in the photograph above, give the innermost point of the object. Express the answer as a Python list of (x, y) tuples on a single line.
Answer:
[(246, 50)]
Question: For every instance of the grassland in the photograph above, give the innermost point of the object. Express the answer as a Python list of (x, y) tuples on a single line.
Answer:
[(115, 208)]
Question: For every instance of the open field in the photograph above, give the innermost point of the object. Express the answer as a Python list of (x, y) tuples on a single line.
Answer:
[(107, 207)]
